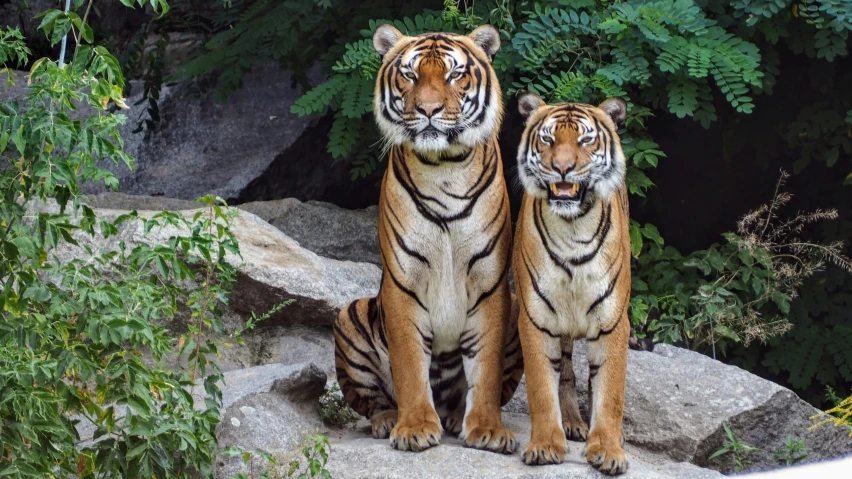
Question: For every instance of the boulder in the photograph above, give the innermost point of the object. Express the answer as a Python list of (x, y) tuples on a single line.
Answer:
[(273, 408), (677, 400), (204, 147), (355, 455), (324, 228), (273, 268), (267, 408)]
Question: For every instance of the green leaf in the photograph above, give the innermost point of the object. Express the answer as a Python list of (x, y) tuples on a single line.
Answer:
[(726, 332), (19, 140)]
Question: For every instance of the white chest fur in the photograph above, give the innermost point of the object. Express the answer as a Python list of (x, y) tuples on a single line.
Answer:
[(447, 215), (579, 298)]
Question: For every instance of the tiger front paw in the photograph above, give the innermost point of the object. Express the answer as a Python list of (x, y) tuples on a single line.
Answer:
[(542, 453), (415, 437), (610, 460), (495, 439), (382, 423)]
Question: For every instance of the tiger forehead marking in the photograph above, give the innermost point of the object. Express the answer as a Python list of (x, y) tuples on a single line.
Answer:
[(437, 93)]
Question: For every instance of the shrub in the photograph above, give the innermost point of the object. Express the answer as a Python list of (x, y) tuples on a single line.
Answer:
[(334, 410), (77, 323)]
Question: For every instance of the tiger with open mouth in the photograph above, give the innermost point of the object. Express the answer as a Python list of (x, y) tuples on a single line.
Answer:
[(571, 263)]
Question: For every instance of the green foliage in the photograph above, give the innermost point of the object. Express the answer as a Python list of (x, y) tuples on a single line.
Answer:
[(248, 458), (334, 410), (793, 452), (734, 452), (315, 456), (839, 416), (584, 54), (730, 293), (77, 324)]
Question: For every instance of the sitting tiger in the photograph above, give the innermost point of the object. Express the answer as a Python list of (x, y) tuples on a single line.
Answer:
[(438, 348), (571, 263)]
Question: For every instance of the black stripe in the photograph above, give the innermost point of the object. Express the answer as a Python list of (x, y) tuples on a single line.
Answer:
[(604, 332), (605, 215), (489, 248), (555, 363), (353, 313), (535, 285), (514, 367), (405, 248), (610, 288), (352, 364), (603, 235), (491, 291), (538, 220), (421, 208), (510, 352), (352, 345), (540, 328), (407, 291)]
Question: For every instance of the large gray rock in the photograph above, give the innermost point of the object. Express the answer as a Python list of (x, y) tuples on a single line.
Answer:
[(267, 408), (273, 268), (204, 147), (324, 228), (677, 400), (354, 455)]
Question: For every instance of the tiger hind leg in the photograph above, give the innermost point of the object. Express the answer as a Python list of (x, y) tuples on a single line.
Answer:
[(363, 365), (575, 427), (513, 358)]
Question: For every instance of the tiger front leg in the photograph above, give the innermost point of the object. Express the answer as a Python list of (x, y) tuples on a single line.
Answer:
[(542, 362), (607, 376), (409, 343), (482, 346)]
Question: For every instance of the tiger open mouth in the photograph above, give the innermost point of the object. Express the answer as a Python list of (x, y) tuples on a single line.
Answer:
[(564, 191)]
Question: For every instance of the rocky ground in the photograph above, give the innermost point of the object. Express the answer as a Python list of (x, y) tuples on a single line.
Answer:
[(676, 400)]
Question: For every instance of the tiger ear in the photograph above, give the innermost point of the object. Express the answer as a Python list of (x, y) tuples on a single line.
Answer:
[(487, 38), (385, 38), (616, 108), (528, 103)]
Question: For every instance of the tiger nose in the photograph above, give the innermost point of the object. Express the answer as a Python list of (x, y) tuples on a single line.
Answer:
[(563, 167), (429, 109)]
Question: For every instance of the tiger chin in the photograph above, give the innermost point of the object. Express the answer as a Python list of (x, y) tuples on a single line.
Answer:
[(438, 349), (571, 263)]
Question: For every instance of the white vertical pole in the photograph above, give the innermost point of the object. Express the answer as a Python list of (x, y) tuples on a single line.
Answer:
[(64, 39)]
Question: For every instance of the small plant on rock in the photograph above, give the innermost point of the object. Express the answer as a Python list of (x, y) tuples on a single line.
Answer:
[(736, 452), (315, 452), (793, 452), (249, 458), (840, 415), (333, 408)]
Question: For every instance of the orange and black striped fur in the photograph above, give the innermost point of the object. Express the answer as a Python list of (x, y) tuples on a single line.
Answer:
[(571, 263), (438, 348)]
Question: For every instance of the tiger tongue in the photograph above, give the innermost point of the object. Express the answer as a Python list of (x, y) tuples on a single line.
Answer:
[(565, 189)]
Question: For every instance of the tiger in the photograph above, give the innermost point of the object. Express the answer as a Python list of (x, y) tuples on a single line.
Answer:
[(571, 262), (437, 350)]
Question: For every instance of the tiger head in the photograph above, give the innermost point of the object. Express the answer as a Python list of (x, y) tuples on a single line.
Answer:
[(570, 153), (437, 93)]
